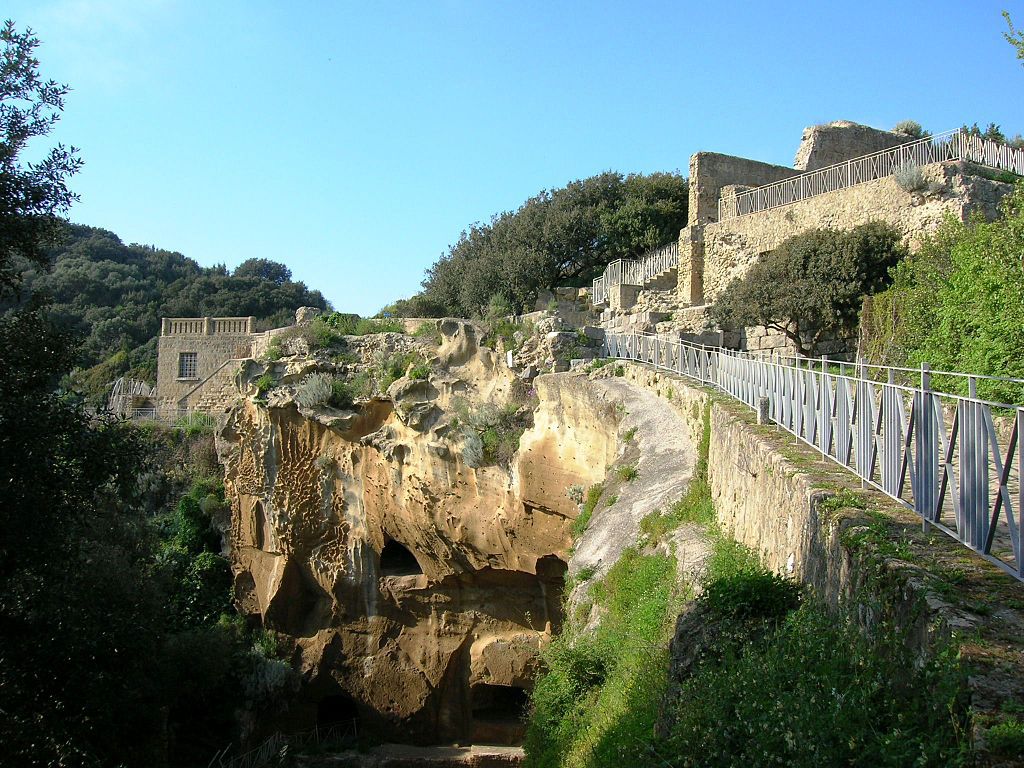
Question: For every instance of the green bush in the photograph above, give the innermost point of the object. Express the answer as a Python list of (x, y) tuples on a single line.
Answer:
[(264, 384), (813, 284), (816, 692), (627, 472), (491, 433), (958, 304), (757, 593), (314, 390), (1007, 738)]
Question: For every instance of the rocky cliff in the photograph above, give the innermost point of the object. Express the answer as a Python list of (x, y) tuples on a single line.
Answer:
[(413, 582)]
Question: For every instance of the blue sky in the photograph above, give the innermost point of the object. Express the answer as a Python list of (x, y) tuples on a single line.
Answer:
[(355, 141)]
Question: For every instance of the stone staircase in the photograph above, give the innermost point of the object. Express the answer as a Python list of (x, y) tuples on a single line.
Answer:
[(215, 393)]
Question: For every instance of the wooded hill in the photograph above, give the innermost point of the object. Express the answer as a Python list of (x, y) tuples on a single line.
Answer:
[(113, 296)]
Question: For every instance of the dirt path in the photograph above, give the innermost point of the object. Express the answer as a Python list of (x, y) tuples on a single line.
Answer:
[(664, 467)]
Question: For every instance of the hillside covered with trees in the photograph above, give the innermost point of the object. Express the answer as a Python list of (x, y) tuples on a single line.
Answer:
[(113, 296), (559, 237)]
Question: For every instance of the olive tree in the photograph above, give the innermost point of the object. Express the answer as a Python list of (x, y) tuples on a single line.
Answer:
[(812, 284)]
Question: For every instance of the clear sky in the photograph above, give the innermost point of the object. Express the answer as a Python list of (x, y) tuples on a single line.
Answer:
[(355, 141)]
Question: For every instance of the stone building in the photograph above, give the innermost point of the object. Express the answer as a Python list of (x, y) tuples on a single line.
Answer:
[(195, 353), (844, 175)]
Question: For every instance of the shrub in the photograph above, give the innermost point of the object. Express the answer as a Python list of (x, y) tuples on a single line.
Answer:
[(1007, 738), (429, 332), (911, 129), (420, 371), (911, 178), (816, 691), (620, 370), (756, 593), (575, 493), (627, 472), (314, 390), (497, 430), (264, 384), (812, 284)]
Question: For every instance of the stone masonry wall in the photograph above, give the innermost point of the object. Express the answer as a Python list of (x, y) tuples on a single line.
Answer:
[(824, 145), (731, 246), (710, 171), (211, 351)]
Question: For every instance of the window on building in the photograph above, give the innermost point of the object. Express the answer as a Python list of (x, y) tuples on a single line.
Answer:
[(188, 365)]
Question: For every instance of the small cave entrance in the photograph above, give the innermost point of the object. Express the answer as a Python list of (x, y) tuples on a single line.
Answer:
[(498, 713), (336, 710), (260, 528), (397, 560)]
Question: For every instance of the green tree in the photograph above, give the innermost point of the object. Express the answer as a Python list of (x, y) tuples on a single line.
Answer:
[(958, 303), (32, 195), (1014, 37), (812, 284), (558, 237)]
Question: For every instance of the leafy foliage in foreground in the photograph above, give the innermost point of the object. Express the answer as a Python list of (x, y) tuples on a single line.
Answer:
[(958, 304), (812, 284), (792, 697)]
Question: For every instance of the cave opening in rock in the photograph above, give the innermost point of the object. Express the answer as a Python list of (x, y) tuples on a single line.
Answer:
[(336, 709), (396, 560), (498, 703), (259, 525)]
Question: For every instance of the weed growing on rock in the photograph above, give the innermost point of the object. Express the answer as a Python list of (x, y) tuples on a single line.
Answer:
[(627, 472), (579, 525), (629, 435)]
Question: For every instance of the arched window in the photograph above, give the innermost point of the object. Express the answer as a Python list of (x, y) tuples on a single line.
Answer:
[(396, 560)]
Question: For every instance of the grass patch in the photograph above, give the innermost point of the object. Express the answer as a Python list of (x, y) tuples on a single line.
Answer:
[(629, 435), (602, 690), (579, 525)]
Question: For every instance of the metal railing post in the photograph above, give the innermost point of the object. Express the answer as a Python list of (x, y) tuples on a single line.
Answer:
[(926, 448)]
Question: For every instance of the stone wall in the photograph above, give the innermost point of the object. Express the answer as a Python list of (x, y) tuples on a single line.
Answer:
[(731, 246), (213, 340), (710, 171), (831, 143)]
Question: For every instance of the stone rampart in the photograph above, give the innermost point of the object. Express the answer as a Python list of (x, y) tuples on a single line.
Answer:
[(731, 246), (710, 171), (824, 145)]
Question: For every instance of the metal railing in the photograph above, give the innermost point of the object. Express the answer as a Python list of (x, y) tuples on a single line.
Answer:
[(955, 460), (952, 145), (343, 735), (180, 417), (635, 271)]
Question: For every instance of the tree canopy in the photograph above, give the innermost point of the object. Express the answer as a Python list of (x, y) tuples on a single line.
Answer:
[(114, 295), (564, 236), (812, 284), (958, 303)]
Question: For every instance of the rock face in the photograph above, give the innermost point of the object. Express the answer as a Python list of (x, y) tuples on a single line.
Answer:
[(413, 589)]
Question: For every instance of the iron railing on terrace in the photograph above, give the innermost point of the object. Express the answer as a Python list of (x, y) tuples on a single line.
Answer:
[(180, 417), (956, 460), (635, 271), (952, 145)]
